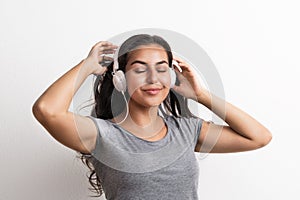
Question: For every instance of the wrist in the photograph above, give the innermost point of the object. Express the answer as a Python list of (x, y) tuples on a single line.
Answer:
[(85, 67), (203, 97)]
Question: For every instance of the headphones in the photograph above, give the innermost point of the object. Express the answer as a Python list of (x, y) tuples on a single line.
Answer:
[(119, 80)]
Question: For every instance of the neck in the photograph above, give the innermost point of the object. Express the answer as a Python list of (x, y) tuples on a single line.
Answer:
[(143, 116), (142, 120)]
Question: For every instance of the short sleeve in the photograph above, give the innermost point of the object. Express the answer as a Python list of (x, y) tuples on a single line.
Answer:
[(195, 125), (190, 128), (103, 126)]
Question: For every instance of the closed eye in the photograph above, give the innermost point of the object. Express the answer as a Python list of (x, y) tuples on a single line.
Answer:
[(162, 68), (140, 69)]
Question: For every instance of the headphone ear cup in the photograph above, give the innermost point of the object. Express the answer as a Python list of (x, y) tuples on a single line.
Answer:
[(119, 81), (173, 77)]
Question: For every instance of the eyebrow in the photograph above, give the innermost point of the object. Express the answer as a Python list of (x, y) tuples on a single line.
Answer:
[(143, 63)]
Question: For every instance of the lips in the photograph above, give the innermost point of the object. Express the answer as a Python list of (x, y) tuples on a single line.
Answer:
[(152, 91)]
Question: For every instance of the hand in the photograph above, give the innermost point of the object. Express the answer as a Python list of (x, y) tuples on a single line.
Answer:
[(98, 55), (189, 86)]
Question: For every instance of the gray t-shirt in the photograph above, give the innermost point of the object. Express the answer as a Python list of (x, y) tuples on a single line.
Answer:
[(131, 168)]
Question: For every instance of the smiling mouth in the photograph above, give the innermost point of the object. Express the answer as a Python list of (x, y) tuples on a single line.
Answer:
[(152, 91)]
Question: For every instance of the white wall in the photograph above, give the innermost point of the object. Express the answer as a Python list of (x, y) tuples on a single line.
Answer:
[(254, 45)]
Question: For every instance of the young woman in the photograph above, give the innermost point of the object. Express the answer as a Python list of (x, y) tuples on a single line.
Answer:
[(142, 141)]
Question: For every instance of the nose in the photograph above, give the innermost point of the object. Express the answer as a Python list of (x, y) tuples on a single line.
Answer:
[(152, 76)]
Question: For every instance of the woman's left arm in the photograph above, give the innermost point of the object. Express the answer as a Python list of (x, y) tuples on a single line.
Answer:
[(243, 132)]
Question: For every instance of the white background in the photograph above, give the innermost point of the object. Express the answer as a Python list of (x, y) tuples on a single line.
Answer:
[(254, 45)]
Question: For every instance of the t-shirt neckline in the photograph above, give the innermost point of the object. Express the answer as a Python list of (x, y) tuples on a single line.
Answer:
[(131, 134)]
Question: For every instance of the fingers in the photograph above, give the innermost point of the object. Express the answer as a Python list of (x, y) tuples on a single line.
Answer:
[(106, 58), (103, 44), (102, 51), (107, 49), (104, 47), (183, 65)]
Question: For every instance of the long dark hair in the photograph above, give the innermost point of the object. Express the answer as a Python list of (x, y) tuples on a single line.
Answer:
[(105, 95)]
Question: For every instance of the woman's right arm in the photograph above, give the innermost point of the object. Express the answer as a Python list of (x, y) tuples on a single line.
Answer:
[(51, 108)]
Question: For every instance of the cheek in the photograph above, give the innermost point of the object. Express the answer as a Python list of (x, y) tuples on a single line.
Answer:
[(165, 79), (134, 82)]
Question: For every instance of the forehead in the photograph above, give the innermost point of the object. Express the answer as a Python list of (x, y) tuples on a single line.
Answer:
[(148, 52)]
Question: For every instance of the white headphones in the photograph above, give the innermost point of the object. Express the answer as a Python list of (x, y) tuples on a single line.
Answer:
[(173, 73), (119, 80)]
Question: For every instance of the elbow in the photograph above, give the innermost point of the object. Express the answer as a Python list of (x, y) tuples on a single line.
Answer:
[(44, 112), (265, 138), (39, 111)]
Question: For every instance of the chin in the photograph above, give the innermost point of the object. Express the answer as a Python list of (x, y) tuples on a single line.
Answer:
[(152, 104), (148, 101)]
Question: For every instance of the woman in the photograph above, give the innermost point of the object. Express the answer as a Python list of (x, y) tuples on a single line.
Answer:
[(142, 141)]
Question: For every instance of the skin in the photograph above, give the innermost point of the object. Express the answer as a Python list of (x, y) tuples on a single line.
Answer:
[(79, 132), (147, 68)]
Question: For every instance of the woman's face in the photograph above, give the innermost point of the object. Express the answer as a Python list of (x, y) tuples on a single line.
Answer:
[(147, 75)]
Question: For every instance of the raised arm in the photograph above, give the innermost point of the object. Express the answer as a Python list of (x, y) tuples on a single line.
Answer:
[(51, 108), (243, 132)]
